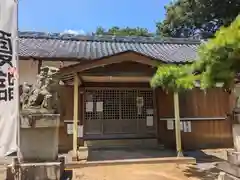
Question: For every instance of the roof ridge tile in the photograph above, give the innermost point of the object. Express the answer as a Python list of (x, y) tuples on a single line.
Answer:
[(107, 38)]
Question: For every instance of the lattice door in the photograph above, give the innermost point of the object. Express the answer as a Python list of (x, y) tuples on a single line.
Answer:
[(122, 111)]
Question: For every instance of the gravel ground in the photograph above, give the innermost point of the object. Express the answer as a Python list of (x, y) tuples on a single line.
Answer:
[(143, 172), (203, 170)]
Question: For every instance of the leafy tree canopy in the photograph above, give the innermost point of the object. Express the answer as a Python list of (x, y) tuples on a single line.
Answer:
[(218, 62), (123, 31), (188, 18), (174, 77), (219, 58)]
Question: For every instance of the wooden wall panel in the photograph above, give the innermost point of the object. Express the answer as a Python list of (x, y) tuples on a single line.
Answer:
[(196, 103), (165, 103)]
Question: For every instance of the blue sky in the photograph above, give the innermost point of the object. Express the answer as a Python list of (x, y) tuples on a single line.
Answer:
[(86, 15)]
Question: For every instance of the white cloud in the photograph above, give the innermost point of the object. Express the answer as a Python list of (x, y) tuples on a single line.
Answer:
[(74, 32)]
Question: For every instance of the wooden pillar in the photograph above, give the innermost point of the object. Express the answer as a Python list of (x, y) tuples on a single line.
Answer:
[(156, 112), (39, 65), (75, 115), (177, 125), (81, 115)]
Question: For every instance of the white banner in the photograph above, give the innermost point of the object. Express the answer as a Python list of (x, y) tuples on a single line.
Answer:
[(9, 96)]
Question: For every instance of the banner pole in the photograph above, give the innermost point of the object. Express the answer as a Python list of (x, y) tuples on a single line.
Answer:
[(18, 78)]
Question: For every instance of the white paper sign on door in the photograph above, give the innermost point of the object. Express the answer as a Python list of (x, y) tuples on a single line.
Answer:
[(170, 124), (181, 126), (89, 106), (80, 131), (70, 128), (149, 120), (99, 106), (187, 126)]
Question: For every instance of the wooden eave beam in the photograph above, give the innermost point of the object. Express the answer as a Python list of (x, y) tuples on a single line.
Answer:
[(103, 62), (80, 79)]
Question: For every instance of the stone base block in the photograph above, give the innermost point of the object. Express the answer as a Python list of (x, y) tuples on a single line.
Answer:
[(36, 171), (72, 156), (229, 168), (236, 136), (83, 153), (233, 157), (225, 176)]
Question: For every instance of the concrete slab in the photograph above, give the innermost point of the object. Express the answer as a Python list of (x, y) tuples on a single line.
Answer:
[(128, 156), (127, 153), (177, 160)]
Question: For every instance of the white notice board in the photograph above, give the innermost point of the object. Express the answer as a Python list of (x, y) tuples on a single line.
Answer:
[(99, 106), (80, 131), (149, 120), (170, 124), (69, 128), (181, 125), (187, 127), (89, 106)]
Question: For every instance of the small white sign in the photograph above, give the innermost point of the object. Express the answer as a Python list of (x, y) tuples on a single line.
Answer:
[(89, 106), (99, 106), (170, 124), (149, 120), (70, 128), (80, 131), (187, 126), (181, 126)]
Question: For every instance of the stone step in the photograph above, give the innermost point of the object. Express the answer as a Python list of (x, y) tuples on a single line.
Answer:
[(226, 176), (233, 157), (228, 168), (124, 143)]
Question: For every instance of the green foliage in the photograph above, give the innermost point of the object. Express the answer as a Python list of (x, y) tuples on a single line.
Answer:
[(123, 31), (219, 58), (174, 77), (218, 62), (187, 18)]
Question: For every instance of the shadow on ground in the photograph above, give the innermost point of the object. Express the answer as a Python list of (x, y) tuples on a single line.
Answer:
[(203, 174), (205, 168), (67, 175), (202, 157)]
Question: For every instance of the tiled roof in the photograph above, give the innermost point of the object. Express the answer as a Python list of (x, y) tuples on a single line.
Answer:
[(46, 45)]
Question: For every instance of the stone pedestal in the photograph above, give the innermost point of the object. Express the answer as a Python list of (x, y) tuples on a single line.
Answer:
[(39, 137), (236, 136), (39, 148), (231, 168), (36, 171)]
